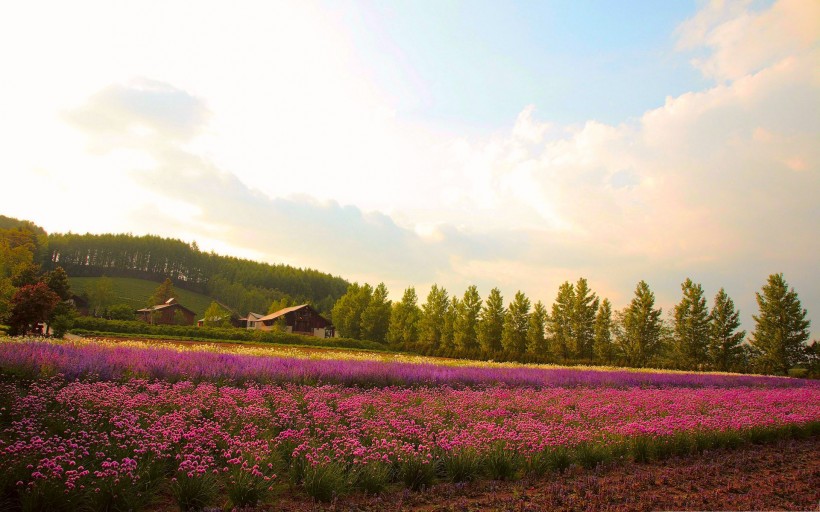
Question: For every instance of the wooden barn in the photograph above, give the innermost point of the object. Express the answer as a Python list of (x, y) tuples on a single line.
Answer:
[(170, 313), (298, 320)]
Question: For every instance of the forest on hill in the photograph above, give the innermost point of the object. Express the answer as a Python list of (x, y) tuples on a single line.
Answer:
[(242, 284)]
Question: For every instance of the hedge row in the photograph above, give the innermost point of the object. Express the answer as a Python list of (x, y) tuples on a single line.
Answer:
[(87, 325)]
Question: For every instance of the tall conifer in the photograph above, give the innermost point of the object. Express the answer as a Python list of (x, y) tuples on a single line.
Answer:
[(465, 336), (691, 328), (725, 351), (603, 348), (491, 323), (516, 323), (639, 328), (781, 328), (559, 327)]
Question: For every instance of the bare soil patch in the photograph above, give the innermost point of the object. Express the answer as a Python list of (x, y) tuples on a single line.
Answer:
[(780, 476)]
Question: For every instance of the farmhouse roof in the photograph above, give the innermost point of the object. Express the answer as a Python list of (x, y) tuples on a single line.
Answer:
[(283, 312), (160, 307)]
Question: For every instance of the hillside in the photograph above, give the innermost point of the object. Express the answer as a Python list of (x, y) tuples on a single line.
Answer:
[(242, 284), (135, 292)]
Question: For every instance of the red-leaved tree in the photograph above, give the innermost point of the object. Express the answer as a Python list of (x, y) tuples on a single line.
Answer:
[(31, 305)]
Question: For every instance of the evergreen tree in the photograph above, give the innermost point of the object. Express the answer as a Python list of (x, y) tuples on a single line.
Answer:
[(691, 328), (163, 292), (725, 350), (404, 321), (433, 313), (603, 349), (516, 324), (559, 327), (582, 320), (376, 316), (639, 328), (536, 335), (813, 360), (465, 336), (491, 323), (57, 280), (448, 332), (781, 328), (26, 275)]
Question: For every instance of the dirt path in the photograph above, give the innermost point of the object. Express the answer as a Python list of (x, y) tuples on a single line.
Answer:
[(780, 476)]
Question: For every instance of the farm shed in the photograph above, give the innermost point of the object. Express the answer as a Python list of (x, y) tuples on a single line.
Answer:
[(298, 320), (169, 313), (251, 320)]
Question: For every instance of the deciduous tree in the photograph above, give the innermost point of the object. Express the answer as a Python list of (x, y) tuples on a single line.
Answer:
[(101, 296), (404, 321), (347, 312), (31, 305), (216, 316), (376, 316)]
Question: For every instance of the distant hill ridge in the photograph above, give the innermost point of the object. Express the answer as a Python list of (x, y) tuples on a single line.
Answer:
[(242, 284)]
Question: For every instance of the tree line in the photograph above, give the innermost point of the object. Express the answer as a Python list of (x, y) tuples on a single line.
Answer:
[(244, 285), (581, 328)]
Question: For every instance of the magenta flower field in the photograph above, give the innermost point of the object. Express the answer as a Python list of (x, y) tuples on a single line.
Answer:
[(74, 435)]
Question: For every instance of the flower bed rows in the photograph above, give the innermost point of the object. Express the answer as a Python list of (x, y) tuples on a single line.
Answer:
[(119, 426), (98, 444), (30, 358)]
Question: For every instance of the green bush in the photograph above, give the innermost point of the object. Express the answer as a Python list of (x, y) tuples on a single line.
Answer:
[(85, 325), (798, 373)]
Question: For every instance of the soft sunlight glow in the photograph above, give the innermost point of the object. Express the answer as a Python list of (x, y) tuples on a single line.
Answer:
[(258, 128)]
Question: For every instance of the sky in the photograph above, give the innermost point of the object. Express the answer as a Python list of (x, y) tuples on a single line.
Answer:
[(503, 144)]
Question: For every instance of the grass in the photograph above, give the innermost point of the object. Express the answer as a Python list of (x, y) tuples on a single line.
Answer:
[(136, 292), (216, 341)]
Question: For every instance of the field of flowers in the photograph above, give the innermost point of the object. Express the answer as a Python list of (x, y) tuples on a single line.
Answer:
[(111, 426)]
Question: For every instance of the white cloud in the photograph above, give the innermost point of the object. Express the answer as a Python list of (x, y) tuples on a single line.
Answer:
[(743, 41), (260, 143)]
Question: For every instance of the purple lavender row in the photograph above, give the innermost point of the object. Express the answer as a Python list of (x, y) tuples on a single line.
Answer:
[(102, 362)]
